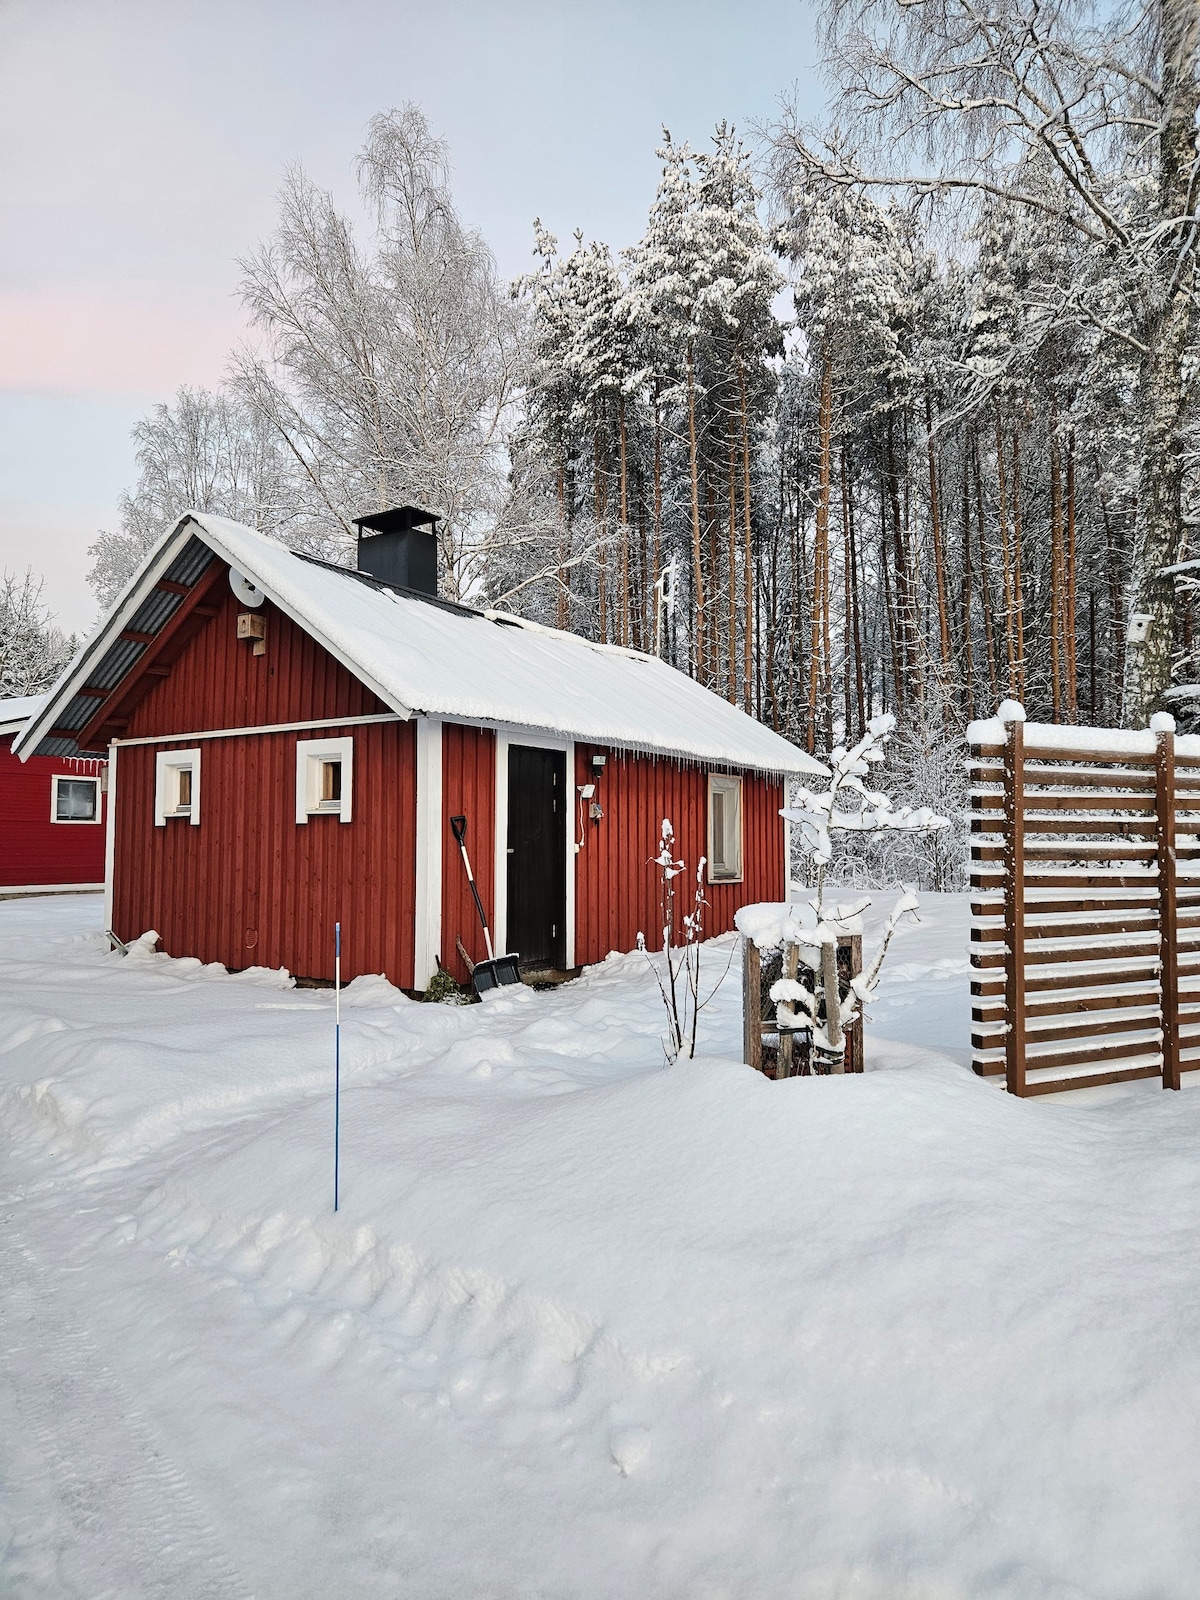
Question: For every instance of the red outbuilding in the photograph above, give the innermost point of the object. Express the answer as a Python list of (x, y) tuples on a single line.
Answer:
[(288, 740), (51, 813)]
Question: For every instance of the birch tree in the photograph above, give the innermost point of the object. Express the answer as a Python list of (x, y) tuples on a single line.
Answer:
[(33, 649), (204, 452), (388, 370)]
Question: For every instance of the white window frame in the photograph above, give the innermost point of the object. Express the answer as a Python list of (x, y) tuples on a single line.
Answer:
[(167, 767), (728, 782), (310, 753), (70, 777)]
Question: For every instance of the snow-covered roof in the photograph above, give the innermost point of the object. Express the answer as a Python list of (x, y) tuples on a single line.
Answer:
[(425, 658), (16, 712)]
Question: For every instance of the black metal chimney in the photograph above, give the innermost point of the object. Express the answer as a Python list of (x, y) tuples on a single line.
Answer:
[(400, 547)]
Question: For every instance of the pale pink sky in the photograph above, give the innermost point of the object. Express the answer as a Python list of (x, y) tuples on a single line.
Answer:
[(142, 143)]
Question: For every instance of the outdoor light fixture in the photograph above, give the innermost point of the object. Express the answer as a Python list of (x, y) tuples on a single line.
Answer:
[(598, 764)]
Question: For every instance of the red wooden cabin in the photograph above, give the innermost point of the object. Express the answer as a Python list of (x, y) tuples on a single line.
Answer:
[(287, 741), (51, 813)]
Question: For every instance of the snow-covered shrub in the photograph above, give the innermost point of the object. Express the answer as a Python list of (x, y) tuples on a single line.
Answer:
[(925, 761), (678, 977), (846, 808)]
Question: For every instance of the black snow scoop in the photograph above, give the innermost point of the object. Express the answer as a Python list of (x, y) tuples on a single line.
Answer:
[(496, 970)]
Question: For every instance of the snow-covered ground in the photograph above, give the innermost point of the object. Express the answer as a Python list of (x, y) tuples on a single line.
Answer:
[(583, 1327)]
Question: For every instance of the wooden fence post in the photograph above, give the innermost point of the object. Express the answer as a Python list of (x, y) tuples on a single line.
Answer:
[(1168, 928), (787, 1009), (1014, 906), (751, 1004)]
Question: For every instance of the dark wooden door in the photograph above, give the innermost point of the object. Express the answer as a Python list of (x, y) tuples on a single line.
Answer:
[(537, 855)]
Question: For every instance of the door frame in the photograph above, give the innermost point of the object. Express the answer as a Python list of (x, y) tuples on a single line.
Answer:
[(539, 741)]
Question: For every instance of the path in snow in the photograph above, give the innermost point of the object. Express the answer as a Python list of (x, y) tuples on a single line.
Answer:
[(90, 1503)]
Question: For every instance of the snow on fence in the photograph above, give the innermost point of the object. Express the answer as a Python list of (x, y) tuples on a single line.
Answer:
[(1085, 878)]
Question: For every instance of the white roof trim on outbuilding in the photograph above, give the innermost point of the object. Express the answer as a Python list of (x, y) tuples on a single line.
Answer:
[(16, 712), (421, 657)]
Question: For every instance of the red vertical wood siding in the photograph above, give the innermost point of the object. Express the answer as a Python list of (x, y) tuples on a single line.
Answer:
[(218, 681), (617, 889), (468, 790), (249, 886), (33, 850)]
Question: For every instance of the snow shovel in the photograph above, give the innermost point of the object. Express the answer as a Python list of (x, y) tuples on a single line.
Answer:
[(496, 970)]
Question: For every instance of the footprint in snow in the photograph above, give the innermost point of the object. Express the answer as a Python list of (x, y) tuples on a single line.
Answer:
[(629, 1448)]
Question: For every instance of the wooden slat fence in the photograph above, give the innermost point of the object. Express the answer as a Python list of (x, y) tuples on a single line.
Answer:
[(1085, 883)]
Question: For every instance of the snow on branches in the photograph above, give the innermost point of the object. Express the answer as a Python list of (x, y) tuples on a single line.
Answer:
[(816, 814), (847, 805), (678, 976)]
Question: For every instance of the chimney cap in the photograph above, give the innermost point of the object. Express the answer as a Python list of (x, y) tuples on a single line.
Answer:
[(398, 519)]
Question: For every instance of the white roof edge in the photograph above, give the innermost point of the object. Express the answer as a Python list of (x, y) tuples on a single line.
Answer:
[(690, 757), (155, 561)]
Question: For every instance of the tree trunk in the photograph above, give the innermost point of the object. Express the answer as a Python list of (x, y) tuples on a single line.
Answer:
[(1072, 588), (985, 582), (820, 582), (1165, 331), (902, 655), (856, 607), (747, 543), (935, 528), (697, 552), (1018, 575), (600, 494), (1056, 569), (1010, 614), (561, 609), (655, 623), (731, 608), (624, 523), (968, 654)]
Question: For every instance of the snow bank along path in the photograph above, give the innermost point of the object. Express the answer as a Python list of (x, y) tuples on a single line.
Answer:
[(584, 1326)]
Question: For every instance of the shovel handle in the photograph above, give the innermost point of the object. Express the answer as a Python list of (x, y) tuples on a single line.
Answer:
[(459, 828)]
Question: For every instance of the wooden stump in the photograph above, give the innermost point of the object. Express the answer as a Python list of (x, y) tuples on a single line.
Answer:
[(764, 1048)]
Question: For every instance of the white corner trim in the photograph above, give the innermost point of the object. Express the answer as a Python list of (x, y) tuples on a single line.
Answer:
[(166, 764), (309, 755), (429, 851), (110, 838), (540, 741)]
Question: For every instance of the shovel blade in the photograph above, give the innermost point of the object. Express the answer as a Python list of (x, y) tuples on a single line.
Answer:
[(495, 974)]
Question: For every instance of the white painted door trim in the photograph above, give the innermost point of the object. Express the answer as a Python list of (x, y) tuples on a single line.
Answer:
[(110, 837), (539, 741), (429, 851)]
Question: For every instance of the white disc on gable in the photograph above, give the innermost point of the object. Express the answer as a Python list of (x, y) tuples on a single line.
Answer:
[(248, 593)]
